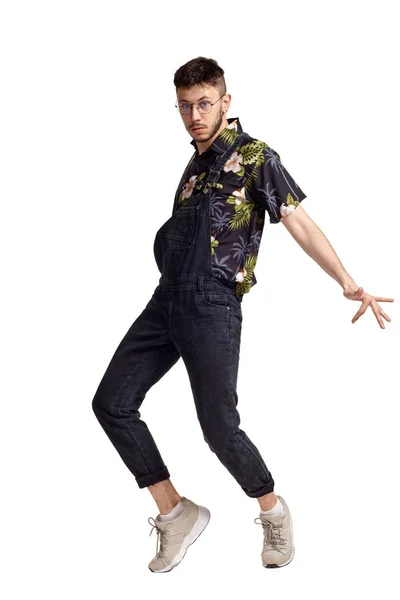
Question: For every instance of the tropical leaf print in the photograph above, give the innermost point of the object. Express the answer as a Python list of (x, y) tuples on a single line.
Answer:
[(259, 161), (220, 266), (228, 136), (214, 243), (244, 276), (240, 249), (290, 200), (281, 211), (238, 197), (241, 215), (242, 209), (272, 200), (273, 188), (189, 186), (254, 183), (255, 240), (219, 217), (288, 206), (211, 184), (250, 152)]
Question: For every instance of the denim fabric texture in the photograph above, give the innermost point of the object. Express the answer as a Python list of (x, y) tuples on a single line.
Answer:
[(192, 315)]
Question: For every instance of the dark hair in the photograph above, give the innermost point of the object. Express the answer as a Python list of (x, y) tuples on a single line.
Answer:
[(200, 71)]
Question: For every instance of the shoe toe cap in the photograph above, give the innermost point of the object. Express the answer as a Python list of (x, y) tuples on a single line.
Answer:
[(157, 563), (273, 557)]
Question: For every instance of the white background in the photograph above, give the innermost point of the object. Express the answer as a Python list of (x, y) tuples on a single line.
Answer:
[(91, 145)]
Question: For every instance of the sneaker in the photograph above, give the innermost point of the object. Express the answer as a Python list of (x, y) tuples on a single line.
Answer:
[(278, 548), (177, 535)]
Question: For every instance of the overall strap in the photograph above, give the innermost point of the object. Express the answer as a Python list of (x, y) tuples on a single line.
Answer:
[(181, 182), (216, 169)]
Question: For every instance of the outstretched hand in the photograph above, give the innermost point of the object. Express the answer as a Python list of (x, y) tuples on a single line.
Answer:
[(368, 300)]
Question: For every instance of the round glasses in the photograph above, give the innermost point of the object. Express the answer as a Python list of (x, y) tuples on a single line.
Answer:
[(204, 107)]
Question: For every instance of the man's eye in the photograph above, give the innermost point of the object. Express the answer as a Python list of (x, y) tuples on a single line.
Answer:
[(185, 105), (204, 104)]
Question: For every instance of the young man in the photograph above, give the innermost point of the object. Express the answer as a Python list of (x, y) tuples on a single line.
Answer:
[(206, 253)]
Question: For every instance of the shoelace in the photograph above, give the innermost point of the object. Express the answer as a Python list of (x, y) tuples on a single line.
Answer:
[(162, 535), (272, 535)]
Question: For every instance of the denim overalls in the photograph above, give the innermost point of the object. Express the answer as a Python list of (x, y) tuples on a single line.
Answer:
[(192, 315)]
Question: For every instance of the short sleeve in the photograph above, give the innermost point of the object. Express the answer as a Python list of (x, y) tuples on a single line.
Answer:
[(273, 188)]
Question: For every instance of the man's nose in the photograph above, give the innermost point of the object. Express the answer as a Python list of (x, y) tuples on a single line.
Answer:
[(195, 113)]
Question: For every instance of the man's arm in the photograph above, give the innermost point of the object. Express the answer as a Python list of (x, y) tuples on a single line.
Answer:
[(312, 240)]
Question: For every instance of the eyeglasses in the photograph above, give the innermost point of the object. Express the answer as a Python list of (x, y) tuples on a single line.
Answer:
[(204, 107)]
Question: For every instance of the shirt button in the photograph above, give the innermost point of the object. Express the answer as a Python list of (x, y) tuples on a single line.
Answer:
[(205, 190)]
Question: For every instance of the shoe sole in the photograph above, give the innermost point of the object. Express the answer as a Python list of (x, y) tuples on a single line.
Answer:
[(197, 529), (282, 565), (275, 566)]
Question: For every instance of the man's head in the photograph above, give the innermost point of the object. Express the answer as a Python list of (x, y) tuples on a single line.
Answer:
[(201, 81)]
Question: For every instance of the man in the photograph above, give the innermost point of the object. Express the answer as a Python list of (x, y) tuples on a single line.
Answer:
[(206, 253)]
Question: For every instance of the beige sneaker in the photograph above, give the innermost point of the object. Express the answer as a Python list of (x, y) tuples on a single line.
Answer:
[(177, 535), (278, 548)]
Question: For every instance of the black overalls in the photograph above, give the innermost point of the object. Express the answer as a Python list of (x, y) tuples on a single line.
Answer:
[(192, 315)]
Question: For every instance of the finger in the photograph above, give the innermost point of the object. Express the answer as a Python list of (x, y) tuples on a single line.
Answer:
[(375, 309), (380, 299), (360, 312), (384, 315)]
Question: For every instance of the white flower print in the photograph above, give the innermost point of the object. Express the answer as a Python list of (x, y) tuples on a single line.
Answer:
[(286, 210), (234, 163), (214, 242), (241, 275), (240, 195), (189, 187)]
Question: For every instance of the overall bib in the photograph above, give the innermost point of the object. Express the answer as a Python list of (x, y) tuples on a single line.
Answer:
[(182, 247), (194, 316)]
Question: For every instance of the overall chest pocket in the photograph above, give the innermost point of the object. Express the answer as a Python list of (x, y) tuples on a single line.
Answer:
[(180, 231), (186, 219)]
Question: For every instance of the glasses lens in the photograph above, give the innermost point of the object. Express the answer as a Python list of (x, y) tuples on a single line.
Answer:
[(184, 108), (205, 107)]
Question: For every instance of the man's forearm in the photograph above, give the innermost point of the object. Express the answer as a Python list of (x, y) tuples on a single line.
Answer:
[(313, 241)]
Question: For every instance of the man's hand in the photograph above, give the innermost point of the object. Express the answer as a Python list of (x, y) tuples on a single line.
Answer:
[(313, 241), (367, 300)]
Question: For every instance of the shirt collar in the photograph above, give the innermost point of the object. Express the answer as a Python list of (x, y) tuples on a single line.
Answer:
[(219, 145)]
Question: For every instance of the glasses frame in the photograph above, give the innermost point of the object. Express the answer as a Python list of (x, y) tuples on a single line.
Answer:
[(197, 106)]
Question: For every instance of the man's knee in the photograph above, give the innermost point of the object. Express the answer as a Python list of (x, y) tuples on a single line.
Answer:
[(218, 438)]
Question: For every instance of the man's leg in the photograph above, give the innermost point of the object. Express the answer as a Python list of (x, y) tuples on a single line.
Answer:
[(268, 501), (206, 331), (165, 496), (143, 356)]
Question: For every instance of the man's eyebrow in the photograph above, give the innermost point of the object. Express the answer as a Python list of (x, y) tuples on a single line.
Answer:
[(202, 98)]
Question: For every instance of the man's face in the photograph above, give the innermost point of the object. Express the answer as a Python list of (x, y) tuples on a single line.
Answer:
[(202, 127)]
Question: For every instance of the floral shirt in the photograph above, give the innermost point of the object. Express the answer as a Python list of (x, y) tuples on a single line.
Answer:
[(252, 182)]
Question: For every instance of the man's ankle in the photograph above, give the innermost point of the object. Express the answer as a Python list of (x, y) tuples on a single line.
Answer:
[(267, 501)]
